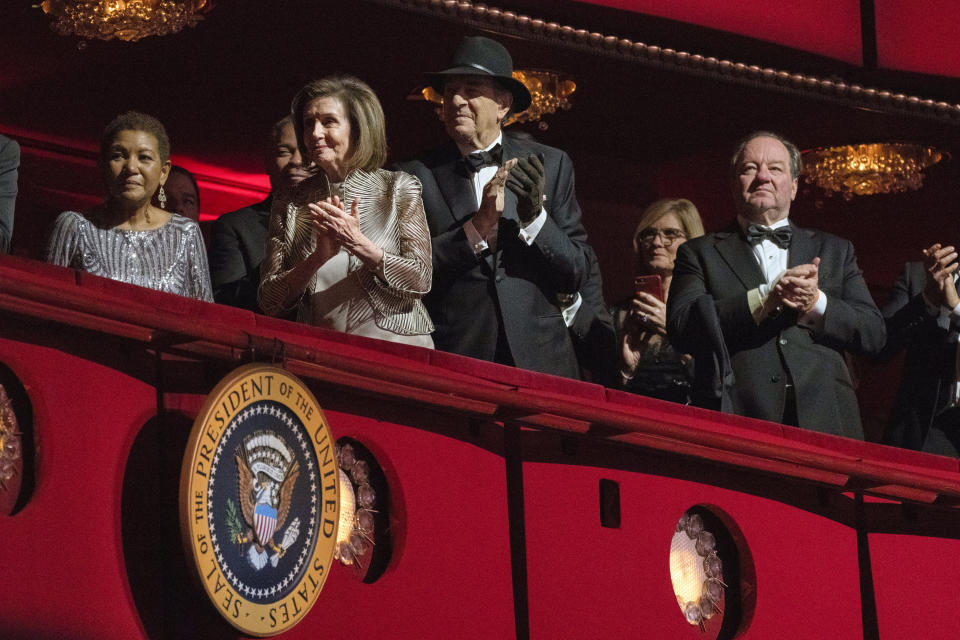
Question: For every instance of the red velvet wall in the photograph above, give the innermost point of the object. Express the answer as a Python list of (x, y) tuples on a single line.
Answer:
[(908, 572), (615, 583), (97, 555), (835, 23), (918, 36), (65, 546), (95, 544)]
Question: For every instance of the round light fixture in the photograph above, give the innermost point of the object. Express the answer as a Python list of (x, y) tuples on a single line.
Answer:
[(696, 571), (363, 539), (11, 460)]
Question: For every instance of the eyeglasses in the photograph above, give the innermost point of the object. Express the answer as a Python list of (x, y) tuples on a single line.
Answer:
[(669, 235)]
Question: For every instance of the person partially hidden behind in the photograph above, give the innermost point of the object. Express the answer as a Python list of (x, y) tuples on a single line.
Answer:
[(784, 303), (126, 238), (648, 364), (349, 247), (9, 163), (501, 255), (183, 194), (923, 318), (240, 237)]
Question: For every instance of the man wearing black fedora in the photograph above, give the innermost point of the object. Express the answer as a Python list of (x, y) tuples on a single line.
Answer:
[(504, 244)]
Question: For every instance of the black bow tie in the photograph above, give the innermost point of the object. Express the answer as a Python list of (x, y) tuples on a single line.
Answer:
[(780, 236), (474, 161)]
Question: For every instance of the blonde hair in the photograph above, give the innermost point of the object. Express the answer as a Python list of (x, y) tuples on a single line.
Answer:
[(368, 130), (683, 208)]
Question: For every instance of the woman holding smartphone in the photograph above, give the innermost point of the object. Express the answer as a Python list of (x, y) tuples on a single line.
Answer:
[(648, 364)]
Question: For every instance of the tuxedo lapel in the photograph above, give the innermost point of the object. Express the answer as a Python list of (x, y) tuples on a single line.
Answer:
[(510, 150), (456, 187), (737, 253), (803, 247)]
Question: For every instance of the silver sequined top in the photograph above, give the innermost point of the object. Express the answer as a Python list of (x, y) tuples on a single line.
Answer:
[(171, 258)]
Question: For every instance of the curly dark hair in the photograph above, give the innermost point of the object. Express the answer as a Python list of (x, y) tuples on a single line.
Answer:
[(135, 121)]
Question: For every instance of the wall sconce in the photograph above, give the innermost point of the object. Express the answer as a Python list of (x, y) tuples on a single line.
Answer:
[(363, 537), (11, 460), (696, 571)]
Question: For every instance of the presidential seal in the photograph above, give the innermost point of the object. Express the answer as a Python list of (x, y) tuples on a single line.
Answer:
[(259, 499)]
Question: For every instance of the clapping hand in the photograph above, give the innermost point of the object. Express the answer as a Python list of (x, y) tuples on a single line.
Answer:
[(798, 288), (941, 264), (528, 181), (492, 200), (332, 220), (335, 228), (328, 241)]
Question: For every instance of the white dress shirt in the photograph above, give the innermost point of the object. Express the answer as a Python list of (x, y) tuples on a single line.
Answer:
[(773, 261), (528, 233)]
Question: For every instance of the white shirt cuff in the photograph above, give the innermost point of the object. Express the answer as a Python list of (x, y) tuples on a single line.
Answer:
[(814, 317), (569, 313), (529, 233), (955, 312), (477, 242)]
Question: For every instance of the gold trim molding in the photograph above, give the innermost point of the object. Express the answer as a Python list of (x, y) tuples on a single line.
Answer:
[(481, 16)]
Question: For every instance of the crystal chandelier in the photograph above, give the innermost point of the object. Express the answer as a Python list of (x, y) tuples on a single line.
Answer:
[(127, 20), (550, 92), (867, 169)]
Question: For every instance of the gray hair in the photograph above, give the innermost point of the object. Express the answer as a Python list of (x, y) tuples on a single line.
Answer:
[(796, 163)]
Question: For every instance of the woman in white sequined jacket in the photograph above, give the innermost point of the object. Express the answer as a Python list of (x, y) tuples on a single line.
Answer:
[(349, 248)]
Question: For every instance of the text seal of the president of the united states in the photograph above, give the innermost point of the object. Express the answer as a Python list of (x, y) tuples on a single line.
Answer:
[(259, 499)]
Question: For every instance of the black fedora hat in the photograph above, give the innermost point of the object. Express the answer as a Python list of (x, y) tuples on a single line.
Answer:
[(479, 56)]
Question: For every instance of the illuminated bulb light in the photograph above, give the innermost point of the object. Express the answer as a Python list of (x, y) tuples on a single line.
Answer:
[(10, 449), (868, 169), (696, 571), (550, 92), (127, 20), (355, 534), (686, 571), (348, 507)]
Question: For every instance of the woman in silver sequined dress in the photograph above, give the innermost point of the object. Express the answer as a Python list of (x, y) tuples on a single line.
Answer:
[(126, 238), (349, 247)]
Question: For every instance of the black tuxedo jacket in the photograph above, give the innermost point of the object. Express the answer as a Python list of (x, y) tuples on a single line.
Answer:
[(929, 366), (239, 243), (765, 357), (511, 293), (9, 163), (593, 333)]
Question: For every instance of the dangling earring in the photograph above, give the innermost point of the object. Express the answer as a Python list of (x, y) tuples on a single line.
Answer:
[(162, 198)]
